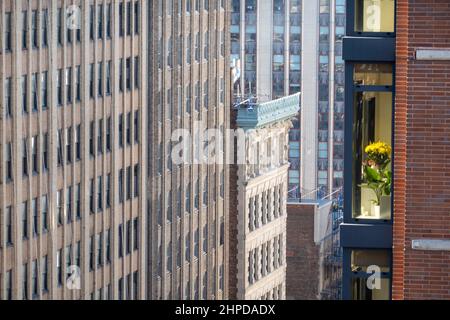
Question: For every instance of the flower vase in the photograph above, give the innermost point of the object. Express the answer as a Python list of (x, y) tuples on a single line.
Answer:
[(375, 211)]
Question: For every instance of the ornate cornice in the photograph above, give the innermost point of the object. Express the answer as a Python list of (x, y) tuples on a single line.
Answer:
[(264, 114)]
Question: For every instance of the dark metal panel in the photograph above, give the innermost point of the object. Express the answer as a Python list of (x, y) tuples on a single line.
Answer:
[(368, 49), (368, 236)]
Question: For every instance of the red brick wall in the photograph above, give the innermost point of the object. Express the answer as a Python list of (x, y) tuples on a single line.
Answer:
[(422, 151), (302, 255)]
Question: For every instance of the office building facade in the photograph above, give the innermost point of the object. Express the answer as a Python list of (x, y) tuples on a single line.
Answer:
[(91, 206), (189, 77), (72, 196), (289, 46)]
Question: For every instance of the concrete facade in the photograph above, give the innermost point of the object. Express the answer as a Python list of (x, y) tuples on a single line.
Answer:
[(88, 191), (67, 212), (188, 206)]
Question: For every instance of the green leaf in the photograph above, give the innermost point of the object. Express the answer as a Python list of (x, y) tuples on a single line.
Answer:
[(372, 174)]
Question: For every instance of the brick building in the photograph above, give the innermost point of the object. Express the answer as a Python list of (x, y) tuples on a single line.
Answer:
[(302, 253), (421, 152), (402, 233)]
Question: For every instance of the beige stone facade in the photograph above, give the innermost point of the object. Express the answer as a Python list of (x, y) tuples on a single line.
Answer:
[(259, 241), (83, 86)]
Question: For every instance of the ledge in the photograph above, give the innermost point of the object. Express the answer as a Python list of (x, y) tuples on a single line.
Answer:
[(262, 114)]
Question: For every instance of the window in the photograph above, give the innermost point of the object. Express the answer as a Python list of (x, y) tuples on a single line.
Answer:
[(34, 280), (128, 129), (374, 15), (128, 237), (121, 125), (91, 138), (136, 181), (59, 266), (108, 135), (24, 209), (25, 281), (120, 246), (108, 20), (24, 29), (34, 29), (91, 80), (78, 201), (44, 28), (136, 234), (128, 74), (59, 206), (9, 226), (35, 212), (108, 246), (91, 253), (34, 91), (364, 263), (60, 148), (136, 17), (100, 137), (108, 191), (197, 47), (59, 86), (68, 143), (44, 90), (91, 196), (8, 32), (45, 152), (99, 249), (24, 157), (44, 213), (100, 21), (206, 94), (100, 193), (197, 96), (100, 79), (188, 49), (188, 198), (34, 154), (373, 74), (129, 18), (44, 277), (8, 99), (121, 16), (69, 204), (128, 186), (78, 142), (8, 162), (137, 79), (206, 46), (69, 85), (121, 185), (24, 92), (108, 78), (196, 194), (372, 141), (188, 99), (136, 126), (59, 26), (78, 83), (205, 191)]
